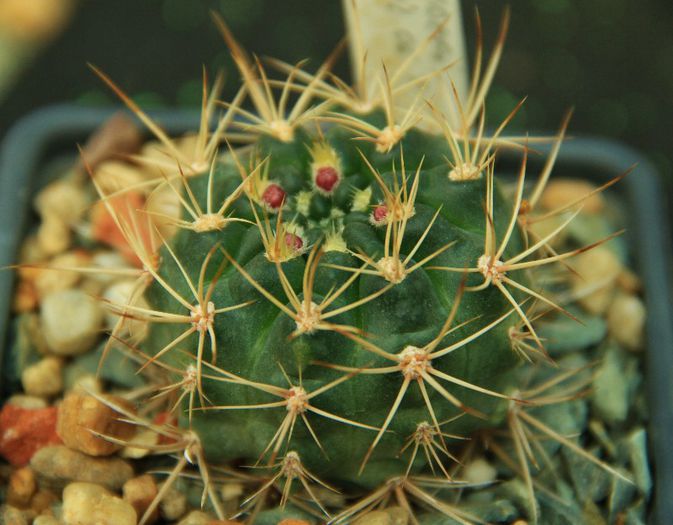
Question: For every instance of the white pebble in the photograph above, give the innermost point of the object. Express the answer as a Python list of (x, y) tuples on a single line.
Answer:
[(123, 293), (196, 517), (141, 444), (91, 504), (106, 261), (563, 192), (44, 378), (86, 383), (28, 402), (593, 284), (114, 175), (626, 319), (44, 519), (71, 321), (53, 235), (479, 471), (54, 280), (166, 206), (173, 505), (64, 199)]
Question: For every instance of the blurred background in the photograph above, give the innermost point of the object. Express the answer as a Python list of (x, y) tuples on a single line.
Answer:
[(610, 59)]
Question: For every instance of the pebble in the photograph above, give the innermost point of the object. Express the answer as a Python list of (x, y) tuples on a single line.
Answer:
[(22, 485), (140, 492), (118, 372), (591, 482), (231, 491), (85, 384), (63, 198), (26, 298), (378, 517), (90, 287), (562, 192), (231, 494), (399, 515), (24, 401), (541, 229), (621, 495), (566, 335), (46, 520), (71, 321), (32, 329), (114, 175), (91, 504), (640, 466), (24, 431), (597, 270), (81, 416), (196, 517), (630, 282), (43, 500), (626, 319), (32, 255), (610, 389), (121, 293), (21, 352), (164, 201), (153, 150), (44, 378), (53, 235), (53, 279), (57, 465), (479, 471), (108, 260), (141, 444), (173, 505), (12, 516)]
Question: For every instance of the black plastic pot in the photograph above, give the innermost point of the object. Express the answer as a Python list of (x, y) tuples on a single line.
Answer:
[(54, 131)]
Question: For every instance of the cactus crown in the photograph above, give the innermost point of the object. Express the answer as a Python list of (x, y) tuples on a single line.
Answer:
[(343, 291)]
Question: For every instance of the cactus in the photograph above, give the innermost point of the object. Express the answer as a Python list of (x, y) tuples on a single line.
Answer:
[(343, 291)]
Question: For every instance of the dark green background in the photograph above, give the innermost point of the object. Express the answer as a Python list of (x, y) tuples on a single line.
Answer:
[(610, 59)]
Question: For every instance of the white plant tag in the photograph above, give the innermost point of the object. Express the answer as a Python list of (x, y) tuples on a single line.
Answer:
[(389, 31)]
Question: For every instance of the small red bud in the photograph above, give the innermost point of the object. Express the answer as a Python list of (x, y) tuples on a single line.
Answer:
[(379, 214), (326, 178), (293, 241), (273, 196)]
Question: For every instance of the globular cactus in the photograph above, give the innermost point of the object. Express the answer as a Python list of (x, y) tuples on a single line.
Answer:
[(343, 297), (322, 314)]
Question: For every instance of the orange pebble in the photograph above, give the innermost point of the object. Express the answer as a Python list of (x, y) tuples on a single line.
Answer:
[(25, 297), (24, 431)]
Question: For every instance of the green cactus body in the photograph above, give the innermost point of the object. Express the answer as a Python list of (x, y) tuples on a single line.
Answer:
[(336, 209)]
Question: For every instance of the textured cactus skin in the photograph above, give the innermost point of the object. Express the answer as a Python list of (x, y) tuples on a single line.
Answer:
[(253, 341)]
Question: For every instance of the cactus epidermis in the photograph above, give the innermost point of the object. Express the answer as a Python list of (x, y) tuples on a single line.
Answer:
[(324, 347)]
